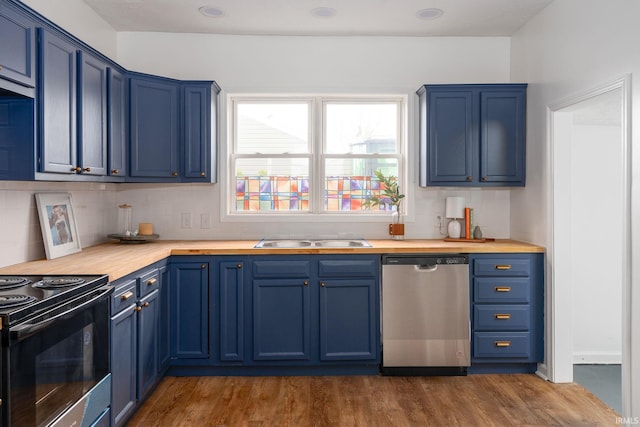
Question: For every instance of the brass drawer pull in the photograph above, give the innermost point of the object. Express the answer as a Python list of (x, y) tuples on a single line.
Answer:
[(322, 284), (115, 171), (126, 295), (502, 289), (138, 308), (502, 316), (502, 343), (503, 267), (145, 304), (151, 282)]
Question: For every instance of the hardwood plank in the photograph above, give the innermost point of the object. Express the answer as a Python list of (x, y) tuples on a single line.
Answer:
[(370, 401)]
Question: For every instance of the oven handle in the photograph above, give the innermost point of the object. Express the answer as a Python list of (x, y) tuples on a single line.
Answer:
[(25, 330)]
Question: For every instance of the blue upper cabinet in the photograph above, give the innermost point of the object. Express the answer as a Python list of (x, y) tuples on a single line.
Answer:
[(155, 128), (57, 104), (18, 53), (172, 130), (92, 114), (117, 119), (472, 135)]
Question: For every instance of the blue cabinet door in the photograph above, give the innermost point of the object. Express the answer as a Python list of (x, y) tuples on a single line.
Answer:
[(502, 136), (164, 343), (348, 325), (451, 137), (17, 56), (117, 114), (124, 368), (197, 132), (148, 318), (92, 115), (16, 138), (57, 104), (231, 306), (281, 319), (189, 308), (155, 128)]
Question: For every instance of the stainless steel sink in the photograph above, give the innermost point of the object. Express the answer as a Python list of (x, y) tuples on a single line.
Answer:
[(324, 243), (284, 244), (342, 244)]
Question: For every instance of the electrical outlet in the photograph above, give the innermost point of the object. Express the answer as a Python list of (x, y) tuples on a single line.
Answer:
[(205, 220), (186, 219), (437, 221)]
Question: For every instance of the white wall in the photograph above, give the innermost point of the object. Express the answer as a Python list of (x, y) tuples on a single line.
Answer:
[(94, 206), (249, 64), (596, 245), (573, 46)]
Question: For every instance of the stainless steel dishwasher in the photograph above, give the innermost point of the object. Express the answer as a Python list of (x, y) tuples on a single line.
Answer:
[(425, 314)]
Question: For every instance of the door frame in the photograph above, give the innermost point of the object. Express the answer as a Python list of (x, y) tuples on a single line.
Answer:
[(559, 325)]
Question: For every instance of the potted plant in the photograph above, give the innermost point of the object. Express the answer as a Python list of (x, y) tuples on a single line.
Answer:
[(390, 196)]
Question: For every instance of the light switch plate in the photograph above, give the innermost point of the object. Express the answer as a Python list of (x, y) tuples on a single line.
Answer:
[(205, 220), (186, 220)]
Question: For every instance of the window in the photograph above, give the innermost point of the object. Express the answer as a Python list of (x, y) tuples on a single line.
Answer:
[(313, 154)]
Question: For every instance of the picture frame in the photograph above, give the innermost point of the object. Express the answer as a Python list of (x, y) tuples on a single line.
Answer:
[(58, 224)]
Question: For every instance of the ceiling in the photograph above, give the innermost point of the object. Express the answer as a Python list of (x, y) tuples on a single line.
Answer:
[(334, 17)]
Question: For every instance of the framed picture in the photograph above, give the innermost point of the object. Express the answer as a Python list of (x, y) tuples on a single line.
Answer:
[(58, 224)]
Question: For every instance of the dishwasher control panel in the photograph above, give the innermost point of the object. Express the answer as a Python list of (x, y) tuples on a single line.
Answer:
[(425, 259)]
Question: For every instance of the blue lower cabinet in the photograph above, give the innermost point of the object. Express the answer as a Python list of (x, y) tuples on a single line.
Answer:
[(137, 314), (281, 319), (507, 312), (231, 307), (124, 365), (189, 308), (321, 310), (348, 326)]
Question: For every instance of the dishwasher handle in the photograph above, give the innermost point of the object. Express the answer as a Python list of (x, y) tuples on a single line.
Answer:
[(425, 260)]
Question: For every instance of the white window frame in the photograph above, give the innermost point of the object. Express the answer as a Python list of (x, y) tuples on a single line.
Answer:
[(317, 156)]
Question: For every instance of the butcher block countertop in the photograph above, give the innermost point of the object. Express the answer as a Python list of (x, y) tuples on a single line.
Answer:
[(117, 260)]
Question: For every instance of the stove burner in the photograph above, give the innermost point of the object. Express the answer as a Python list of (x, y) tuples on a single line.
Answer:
[(12, 282), (59, 282), (7, 301)]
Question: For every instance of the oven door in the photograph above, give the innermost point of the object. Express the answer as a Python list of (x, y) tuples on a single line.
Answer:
[(57, 357)]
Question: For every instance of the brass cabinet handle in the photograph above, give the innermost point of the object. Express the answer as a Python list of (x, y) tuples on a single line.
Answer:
[(239, 265), (77, 169), (174, 173), (86, 170), (306, 283), (502, 289), (152, 281), (322, 284), (502, 343), (502, 316), (115, 171), (469, 178), (503, 267), (145, 304), (202, 174), (484, 178), (126, 295), (138, 308), (203, 266)]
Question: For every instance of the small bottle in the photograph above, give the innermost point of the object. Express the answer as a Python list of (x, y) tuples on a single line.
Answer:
[(124, 219)]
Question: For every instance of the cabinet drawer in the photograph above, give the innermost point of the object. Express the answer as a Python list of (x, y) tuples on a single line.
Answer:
[(502, 344), (348, 268), (123, 296), (502, 267), (501, 317), (149, 282), (279, 269), (501, 290)]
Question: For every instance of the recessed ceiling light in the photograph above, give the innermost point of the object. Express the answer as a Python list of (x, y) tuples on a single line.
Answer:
[(430, 13), (211, 12), (323, 12)]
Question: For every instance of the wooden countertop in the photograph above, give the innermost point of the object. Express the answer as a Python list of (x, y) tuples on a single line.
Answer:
[(117, 260)]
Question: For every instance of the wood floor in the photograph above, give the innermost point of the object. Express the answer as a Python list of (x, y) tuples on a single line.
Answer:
[(475, 400)]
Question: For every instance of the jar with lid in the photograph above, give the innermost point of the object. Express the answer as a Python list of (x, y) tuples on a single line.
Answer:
[(124, 219)]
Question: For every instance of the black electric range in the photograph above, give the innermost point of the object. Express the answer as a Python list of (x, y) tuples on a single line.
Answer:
[(24, 296)]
